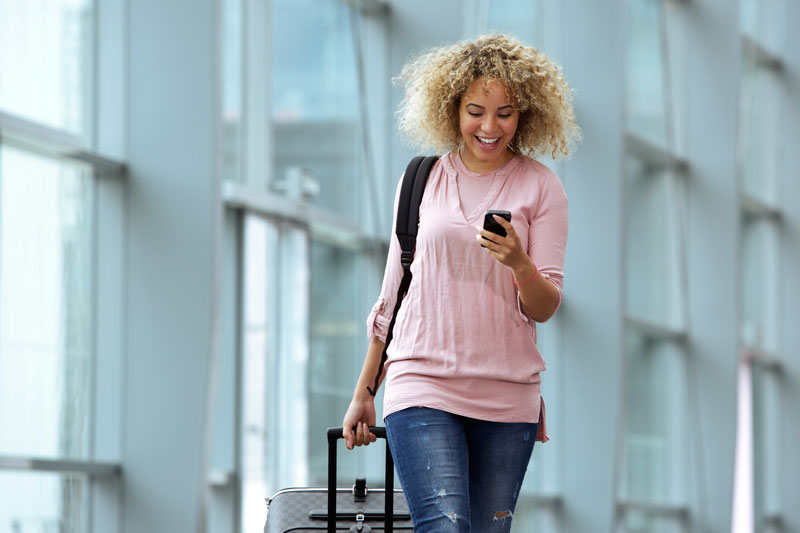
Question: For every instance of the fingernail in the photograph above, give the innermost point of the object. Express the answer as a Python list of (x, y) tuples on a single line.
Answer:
[(477, 237)]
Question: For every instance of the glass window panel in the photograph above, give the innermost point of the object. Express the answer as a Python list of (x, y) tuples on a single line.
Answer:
[(645, 100), (275, 360), (766, 437), (748, 17), (764, 21), (759, 284), (231, 87), (258, 365), (774, 27), (35, 502), (45, 306), (516, 17), (652, 253), (337, 354), (46, 61), (315, 111), (760, 132), (291, 379), (336, 346), (655, 407)]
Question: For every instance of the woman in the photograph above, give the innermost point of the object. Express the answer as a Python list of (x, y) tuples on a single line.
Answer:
[(462, 405)]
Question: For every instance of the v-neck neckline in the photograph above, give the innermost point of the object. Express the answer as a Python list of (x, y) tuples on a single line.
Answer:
[(499, 178)]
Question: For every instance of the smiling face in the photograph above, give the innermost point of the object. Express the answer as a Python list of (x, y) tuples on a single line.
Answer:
[(488, 122)]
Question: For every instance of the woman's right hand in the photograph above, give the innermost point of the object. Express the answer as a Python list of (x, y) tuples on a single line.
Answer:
[(361, 415)]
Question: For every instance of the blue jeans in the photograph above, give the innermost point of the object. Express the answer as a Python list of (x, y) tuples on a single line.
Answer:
[(459, 474)]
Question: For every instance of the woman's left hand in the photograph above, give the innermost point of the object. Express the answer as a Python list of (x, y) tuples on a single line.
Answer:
[(508, 250)]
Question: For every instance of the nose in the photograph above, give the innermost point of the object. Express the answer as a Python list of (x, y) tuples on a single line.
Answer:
[(489, 123)]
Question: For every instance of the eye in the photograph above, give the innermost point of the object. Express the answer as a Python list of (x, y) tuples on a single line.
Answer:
[(504, 116), (474, 114)]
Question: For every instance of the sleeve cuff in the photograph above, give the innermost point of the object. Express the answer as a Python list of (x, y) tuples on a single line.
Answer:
[(558, 288), (377, 324), (521, 309)]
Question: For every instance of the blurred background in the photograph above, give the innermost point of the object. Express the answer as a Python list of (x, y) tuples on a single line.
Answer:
[(195, 208)]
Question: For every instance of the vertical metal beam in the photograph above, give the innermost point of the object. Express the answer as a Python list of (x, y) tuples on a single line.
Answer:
[(225, 502), (109, 263), (790, 270)]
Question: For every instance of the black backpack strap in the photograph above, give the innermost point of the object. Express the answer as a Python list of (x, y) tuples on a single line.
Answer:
[(406, 227)]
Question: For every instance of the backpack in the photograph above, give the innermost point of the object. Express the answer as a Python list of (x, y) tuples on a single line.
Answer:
[(411, 191)]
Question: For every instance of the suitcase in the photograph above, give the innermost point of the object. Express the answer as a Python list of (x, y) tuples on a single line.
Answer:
[(359, 509)]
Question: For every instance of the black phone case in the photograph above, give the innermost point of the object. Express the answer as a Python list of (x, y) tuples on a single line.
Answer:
[(490, 224)]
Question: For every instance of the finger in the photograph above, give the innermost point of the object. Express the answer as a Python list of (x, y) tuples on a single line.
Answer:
[(495, 238), (347, 433), (358, 438), (509, 227), (503, 222), (488, 243), (486, 233), (363, 437), (353, 437)]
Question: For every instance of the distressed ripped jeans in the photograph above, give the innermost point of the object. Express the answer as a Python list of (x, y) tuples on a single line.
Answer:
[(459, 474)]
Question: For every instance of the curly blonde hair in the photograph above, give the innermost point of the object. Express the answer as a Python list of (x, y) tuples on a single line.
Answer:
[(436, 80)]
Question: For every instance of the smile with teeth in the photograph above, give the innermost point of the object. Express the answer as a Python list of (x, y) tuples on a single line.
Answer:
[(487, 141)]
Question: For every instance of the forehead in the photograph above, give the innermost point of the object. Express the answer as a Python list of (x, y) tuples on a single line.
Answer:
[(480, 90)]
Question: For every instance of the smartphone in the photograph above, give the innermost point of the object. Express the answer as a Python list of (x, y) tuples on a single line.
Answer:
[(490, 224)]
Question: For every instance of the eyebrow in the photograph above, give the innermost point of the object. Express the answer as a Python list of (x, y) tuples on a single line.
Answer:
[(499, 108)]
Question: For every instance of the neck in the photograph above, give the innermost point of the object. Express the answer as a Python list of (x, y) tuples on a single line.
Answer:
[(483, 167)]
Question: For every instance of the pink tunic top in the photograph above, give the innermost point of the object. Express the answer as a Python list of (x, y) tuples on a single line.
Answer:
[(462, 342)]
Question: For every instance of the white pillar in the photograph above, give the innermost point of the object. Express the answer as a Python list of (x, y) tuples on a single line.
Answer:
[(593, 34), (712, 32), (173, 218)]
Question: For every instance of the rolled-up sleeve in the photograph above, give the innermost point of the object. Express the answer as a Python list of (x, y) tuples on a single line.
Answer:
[(381, 314), (547, 237)]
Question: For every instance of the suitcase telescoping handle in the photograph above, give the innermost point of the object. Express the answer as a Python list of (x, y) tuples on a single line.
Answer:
[(334, 434)]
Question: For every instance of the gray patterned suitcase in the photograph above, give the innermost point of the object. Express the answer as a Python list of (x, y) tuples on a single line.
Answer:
[(359, 509)]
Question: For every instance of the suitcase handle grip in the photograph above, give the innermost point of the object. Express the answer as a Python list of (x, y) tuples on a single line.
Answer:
[(334, 434)]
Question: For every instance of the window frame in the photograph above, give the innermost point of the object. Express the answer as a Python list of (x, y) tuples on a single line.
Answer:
[(673, 329), (249, 192)]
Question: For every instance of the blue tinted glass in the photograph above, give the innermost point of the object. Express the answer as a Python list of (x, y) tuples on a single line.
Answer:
[(45, 306), (645, 97), (314, 71), (316, 136)]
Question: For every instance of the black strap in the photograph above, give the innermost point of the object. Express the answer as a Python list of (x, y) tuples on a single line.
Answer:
[(406, 227)]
